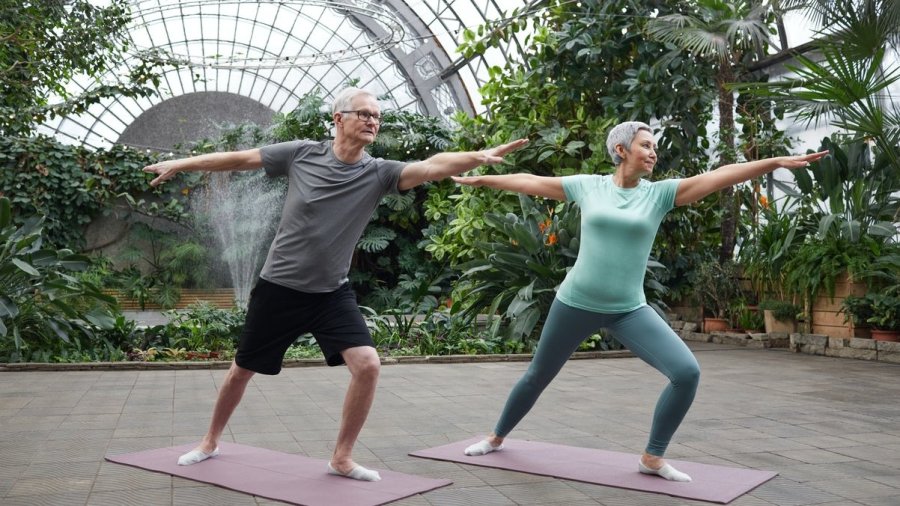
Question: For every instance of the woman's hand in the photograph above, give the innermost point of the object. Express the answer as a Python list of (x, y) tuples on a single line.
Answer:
[(798, 161), (468, 180)]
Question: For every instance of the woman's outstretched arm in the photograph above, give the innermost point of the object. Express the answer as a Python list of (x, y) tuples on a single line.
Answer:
[(695, 188), (541, 186)]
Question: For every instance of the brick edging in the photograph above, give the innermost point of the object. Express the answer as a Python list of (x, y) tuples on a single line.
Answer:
[(305, 362)]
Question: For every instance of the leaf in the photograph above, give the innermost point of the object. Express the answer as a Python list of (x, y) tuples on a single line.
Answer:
[(8, 308), (525, 323), (517, 306), (526, 292), (57, 328), (25, 267), (101, 319), (883, 228)]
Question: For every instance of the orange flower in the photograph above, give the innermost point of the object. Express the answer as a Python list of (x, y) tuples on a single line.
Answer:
[(763, 201), (551, 240), (185, 191), (545, 225)]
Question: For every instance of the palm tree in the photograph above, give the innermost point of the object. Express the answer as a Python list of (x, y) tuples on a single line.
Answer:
[(729, 35), (849, 85)]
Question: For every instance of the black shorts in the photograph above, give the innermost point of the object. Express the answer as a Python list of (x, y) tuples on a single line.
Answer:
[(277, 316)]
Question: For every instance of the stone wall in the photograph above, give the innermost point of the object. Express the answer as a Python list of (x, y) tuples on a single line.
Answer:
[(846, 347), (812, 344)]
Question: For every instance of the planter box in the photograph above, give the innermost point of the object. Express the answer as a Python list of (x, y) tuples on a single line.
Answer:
[(826, 315), (778, 326)]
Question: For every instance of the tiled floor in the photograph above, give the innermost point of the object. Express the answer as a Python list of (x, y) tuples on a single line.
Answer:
[(830, 427)]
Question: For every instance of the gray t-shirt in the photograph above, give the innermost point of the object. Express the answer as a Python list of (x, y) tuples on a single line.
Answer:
[(328, 205)]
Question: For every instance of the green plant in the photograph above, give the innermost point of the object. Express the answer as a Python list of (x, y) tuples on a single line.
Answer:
[(845, 84), (817, 264), (885, 309), (750, 320), (857, 309), (770, 245), (781, 310), (716, 287), (69, 185), (44, 309), (204, 327), (527, 257), (47, 44)]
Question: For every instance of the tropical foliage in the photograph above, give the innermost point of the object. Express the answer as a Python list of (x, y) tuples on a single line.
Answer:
[(46, 312)]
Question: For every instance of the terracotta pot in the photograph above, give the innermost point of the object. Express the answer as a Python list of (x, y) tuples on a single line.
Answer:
[(714, 325), (886, 335)]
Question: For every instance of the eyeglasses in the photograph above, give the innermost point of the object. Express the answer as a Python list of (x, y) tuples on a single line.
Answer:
[(366, 115)]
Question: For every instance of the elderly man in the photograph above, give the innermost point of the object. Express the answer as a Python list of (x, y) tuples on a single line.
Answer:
[(334, 187)]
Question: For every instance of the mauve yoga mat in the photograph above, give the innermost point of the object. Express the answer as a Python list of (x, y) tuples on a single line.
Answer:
[(615, 469), (294, 479)]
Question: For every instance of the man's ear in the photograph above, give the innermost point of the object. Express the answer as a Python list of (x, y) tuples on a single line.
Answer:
[(338, 118)]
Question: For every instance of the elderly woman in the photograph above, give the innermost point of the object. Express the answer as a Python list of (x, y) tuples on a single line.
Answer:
[(620, 215)]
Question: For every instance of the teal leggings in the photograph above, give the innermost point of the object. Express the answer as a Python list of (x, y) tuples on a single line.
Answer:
[(643, 332)]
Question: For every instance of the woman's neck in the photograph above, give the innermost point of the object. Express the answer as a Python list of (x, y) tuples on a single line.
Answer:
[(625, 178)]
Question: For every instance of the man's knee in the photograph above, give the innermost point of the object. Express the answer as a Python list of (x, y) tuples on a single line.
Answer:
[(239, 374), (363, 362)]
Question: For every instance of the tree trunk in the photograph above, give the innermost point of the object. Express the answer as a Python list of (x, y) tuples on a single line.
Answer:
[(726, 156)]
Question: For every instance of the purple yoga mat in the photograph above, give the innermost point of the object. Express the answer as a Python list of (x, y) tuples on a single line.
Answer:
[(294, 479), (615, 469)]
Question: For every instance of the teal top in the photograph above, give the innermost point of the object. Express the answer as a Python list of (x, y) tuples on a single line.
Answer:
[(618, 226)]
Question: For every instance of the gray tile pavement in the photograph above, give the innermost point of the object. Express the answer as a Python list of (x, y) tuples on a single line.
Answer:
[(830, 427)]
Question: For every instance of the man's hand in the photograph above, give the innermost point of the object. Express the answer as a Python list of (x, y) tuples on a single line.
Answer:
[(493, 156), (164, 170)]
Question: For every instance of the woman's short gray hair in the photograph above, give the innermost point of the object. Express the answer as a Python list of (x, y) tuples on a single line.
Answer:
[(344, 99), (623, 134)]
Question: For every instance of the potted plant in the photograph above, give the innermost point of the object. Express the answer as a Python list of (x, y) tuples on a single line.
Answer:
[(779, 316), (885, 319), (716, 287), (857, 311)]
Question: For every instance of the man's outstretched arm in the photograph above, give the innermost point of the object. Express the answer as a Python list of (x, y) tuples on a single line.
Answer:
[(444, 165), (213, 162)]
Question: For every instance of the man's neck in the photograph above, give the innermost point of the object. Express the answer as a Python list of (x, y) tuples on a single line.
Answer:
[(347, 152)]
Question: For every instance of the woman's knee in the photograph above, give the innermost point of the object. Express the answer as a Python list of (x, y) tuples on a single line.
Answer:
[(537, 379), (687, 375)]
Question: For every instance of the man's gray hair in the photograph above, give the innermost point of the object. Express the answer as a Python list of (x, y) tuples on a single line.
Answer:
[(623, 134), (344, 99)]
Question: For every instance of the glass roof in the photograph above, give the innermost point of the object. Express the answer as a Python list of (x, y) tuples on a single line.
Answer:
[(275, 51)]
